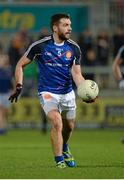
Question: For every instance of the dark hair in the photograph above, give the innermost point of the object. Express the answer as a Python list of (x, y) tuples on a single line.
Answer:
[(56, 18)]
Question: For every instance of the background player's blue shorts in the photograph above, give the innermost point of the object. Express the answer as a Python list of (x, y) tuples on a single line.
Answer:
[(4, 100)]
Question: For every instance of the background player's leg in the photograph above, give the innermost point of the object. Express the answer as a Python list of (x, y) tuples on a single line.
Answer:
[(3, 120)]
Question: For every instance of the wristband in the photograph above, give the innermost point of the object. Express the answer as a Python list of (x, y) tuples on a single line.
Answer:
[(18, 86)]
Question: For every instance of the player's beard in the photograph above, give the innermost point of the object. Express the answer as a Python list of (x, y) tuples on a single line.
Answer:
[(63, 37)]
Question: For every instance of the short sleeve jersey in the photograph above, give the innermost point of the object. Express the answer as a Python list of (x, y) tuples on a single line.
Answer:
[(54, 63)]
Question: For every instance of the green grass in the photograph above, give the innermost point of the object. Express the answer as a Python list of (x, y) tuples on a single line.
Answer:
[(28, 154)]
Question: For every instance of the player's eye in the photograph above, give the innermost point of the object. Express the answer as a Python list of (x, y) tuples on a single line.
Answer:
[(66, 25)]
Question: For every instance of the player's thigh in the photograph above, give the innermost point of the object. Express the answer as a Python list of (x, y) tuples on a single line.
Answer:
[(68, 106), (48, 102), (69, 114)]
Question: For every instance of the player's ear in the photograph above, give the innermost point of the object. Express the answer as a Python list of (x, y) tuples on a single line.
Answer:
[(54, 28)]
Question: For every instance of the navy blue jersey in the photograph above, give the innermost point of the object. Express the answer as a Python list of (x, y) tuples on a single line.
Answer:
[(54, 62)]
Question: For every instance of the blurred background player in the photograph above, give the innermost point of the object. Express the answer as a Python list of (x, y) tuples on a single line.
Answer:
[(43, 33), (6, 86), (15, 50), (85, 41), (102, 48), (117, 64), (117, 39), (90, 61), (58, 60)]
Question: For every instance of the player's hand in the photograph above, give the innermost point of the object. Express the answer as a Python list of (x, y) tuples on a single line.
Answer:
[(15, 95), (121, 84), (91, 101)]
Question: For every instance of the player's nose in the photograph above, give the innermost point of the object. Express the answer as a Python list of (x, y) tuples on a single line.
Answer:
[(70, 28)]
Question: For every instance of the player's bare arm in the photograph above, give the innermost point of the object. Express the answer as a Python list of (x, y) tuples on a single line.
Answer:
[(19, 69), (117, 71), (76, 74), (19, 78), (116, 68)]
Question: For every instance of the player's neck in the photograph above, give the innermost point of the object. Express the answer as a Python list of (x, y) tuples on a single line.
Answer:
[(57, 40)]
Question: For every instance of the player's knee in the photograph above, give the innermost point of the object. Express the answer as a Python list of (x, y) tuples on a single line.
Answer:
[(57, 126), (71, 126), (56, 121)]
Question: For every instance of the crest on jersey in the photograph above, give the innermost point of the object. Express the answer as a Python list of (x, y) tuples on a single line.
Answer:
[(68, 54)]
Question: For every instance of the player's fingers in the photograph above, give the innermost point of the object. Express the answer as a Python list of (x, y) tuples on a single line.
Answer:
[(12, 99), (91, 101), (86, 101), (96, 97), (9, 98)]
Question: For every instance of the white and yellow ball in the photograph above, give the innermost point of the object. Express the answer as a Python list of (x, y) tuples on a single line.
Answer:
[(88, 90)]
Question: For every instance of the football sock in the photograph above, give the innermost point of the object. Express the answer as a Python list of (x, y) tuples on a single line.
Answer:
[(59, 158), (65, 147)]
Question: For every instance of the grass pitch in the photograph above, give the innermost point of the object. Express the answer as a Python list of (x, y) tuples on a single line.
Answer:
[(27, 154)]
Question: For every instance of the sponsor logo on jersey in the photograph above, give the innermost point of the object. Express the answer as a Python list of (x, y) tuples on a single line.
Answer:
[(48, 53)]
